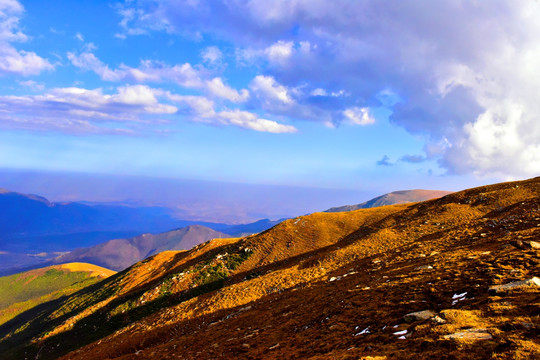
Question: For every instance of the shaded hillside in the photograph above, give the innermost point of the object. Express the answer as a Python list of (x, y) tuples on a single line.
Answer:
[(451, 278), (396, 197), (118, 254), (23, 291)]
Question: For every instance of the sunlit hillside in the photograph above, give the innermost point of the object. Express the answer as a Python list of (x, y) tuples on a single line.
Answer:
[(455, 277), (24, 291)]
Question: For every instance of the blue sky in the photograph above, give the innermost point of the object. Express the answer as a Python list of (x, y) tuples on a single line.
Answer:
[(367, 95)]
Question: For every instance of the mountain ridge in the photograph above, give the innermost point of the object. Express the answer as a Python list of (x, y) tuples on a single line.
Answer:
[(118, 254), (392, 198)]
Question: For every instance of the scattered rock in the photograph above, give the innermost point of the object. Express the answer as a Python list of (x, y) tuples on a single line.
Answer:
[(533, 244), (363, 332), (458, 297), (245, 346), (424, 267), (499, 289), (438, 320), (470, 334), (526, 245), (419, 316)]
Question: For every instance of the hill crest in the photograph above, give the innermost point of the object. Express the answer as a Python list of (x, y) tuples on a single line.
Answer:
[(395, 197)]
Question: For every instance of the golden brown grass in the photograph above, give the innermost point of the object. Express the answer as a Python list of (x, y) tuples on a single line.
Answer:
[(314, 284)]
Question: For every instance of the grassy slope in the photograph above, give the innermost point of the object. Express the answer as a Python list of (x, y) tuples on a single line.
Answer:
[(24, 291), (309, 286)]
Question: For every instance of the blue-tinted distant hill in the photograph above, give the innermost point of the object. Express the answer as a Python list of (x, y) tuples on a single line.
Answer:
[(34, 230), (36, 219)]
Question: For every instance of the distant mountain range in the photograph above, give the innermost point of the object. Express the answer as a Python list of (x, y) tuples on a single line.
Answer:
[(396, 197), (26, 216), (119, 254), (34, 230), (449, 278)]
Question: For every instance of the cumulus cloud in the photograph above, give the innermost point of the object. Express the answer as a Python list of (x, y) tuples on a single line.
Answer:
[(279, 52), (79, 110), (13, 61), (217, 88), (358, 116), (466, 73), (203, 110), (270, 92), (212, 55), (184, 75), (149, 71)]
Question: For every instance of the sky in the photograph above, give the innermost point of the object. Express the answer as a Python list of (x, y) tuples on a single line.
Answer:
[(373, 95)]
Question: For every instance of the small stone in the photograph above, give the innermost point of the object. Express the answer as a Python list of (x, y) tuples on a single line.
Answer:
[(419, 316), (438, 320), (424, 267), (246, 346), (498, 289), (470, 334), (532, 244)]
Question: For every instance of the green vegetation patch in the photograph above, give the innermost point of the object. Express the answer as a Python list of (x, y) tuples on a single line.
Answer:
[(23, 287), (21, 292), (218, 269)]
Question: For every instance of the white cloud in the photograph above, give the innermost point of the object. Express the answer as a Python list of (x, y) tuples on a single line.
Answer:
[(358, 116), (13, 61), (466, 73), (184, 75), (270, 91), (319, 92), (31, 84), (79, 110), (252, 121), (79, 36), (212, 55), (279, 52), (217, 88), (148, 71), (202, 110)]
